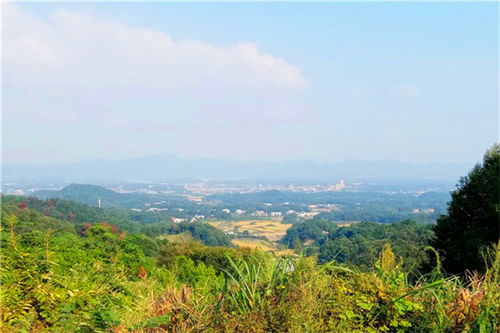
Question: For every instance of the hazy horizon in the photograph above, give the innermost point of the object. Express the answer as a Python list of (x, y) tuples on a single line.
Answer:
[(326, 82), (162, 167), (141, 157)]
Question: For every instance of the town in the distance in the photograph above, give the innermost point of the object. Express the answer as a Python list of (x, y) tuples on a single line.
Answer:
[(251, 213)]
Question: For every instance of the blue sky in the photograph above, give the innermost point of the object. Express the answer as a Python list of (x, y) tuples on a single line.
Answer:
[(250, 81)]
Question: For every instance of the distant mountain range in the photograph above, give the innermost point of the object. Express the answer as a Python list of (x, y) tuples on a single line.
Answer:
[(171, 167)]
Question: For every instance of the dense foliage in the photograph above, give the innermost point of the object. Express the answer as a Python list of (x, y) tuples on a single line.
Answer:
[(77, 215), (359, 244), (105, 280), (67, 282), (472, 222)]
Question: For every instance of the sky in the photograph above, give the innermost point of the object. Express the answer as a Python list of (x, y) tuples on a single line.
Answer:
[(249, 81)]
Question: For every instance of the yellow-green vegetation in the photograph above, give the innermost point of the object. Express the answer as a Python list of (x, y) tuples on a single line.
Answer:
[(254, 243), (103, 281), (273, 230)]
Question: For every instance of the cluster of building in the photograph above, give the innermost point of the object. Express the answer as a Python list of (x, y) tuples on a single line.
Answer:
[(324, 208), (262, 213), (157, 203), (424, 210), (194, 198), (193, 219), (208, 188)]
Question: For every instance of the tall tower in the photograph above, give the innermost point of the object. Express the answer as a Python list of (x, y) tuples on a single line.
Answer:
[(99, 202)]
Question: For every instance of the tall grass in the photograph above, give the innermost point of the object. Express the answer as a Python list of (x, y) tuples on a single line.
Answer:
[(250, 282), (263, 293)]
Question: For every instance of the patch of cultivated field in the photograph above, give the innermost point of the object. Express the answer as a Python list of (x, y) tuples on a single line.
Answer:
[(271, 229), (253, 243), (345, 223)]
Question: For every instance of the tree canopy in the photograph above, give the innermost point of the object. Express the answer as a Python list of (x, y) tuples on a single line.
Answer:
[(473, 220)]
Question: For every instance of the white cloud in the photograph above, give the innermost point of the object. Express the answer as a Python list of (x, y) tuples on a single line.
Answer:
[(68, 71), (70, 42)]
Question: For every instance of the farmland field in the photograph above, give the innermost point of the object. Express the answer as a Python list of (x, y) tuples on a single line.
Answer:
[(254, 243), (271, 229)]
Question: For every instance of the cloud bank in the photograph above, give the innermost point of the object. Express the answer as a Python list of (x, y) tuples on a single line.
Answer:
[(77, 80)]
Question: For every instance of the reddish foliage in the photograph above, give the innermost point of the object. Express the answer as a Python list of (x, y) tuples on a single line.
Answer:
[(85, 228), (22, 205), (111, 227), (143, 273), (114, 230)]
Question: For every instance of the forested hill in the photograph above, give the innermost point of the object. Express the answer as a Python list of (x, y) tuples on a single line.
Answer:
[(64, 215), (90, 194)]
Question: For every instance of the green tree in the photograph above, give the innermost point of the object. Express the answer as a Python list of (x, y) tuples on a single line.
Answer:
[(473, 219)]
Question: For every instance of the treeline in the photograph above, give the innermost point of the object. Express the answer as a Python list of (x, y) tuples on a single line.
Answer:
[(382, 213), (355, 206)]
